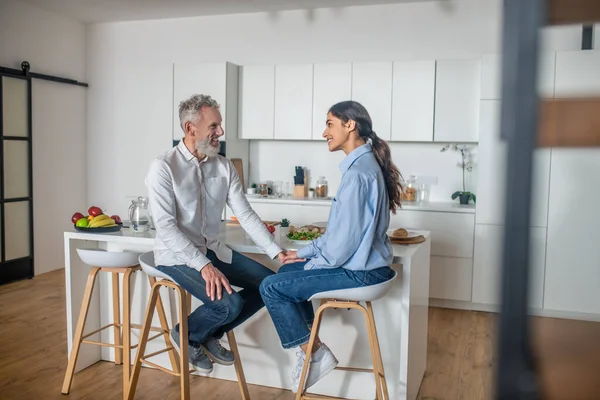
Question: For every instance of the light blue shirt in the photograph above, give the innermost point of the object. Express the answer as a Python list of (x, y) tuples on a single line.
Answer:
[(356, 236)]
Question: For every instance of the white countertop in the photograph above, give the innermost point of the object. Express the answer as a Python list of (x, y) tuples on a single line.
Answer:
[(231, 234), (452, 207)]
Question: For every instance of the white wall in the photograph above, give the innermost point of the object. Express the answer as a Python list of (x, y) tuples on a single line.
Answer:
[(390, 32), (53, 45)]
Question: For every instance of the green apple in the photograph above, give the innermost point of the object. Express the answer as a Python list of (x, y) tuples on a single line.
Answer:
[(82, 223)]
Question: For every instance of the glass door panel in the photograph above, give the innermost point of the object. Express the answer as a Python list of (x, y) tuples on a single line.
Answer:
[(16, 230), (16, 169), (15, 108)]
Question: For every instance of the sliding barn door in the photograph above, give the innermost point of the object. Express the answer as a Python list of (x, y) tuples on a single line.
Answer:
[(16, 180)]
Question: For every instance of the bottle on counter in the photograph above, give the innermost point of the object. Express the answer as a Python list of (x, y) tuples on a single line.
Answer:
[(410, 190), (321, 189)]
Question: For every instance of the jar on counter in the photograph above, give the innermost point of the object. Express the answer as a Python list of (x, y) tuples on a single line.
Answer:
[(264, 190), (321, 189), (410, 190)]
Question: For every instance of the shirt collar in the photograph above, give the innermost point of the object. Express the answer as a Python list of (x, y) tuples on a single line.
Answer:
[(187, 153), (354, 155)]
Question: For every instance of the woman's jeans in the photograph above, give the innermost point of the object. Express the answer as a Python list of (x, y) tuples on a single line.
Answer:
[(286, 293)]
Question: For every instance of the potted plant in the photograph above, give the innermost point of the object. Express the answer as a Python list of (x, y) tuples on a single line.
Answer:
[(284, 227), (466, 163)]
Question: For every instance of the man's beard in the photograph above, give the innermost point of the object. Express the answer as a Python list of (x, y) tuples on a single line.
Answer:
[(204, 147)]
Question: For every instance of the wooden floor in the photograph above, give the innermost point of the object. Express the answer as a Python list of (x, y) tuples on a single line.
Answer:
[(459, 363)]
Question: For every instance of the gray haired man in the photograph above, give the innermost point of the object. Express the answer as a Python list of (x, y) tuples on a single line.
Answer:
[(188, 188)]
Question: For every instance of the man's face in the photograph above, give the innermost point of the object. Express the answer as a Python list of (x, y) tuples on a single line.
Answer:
[(207, 131)]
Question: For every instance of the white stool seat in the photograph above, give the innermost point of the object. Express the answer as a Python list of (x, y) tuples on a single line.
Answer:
[(365, 293), (146, 261), (108, 259)]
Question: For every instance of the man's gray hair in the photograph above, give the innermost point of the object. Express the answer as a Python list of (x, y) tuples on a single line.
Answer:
[(189, 108)]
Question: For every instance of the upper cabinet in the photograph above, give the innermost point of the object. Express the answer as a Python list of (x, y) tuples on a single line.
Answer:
[(218, 80), (577, 74), (457, 96), (257, 101), (491, 77), (372, 87), (332, 84), (413, 99), (293, 102)]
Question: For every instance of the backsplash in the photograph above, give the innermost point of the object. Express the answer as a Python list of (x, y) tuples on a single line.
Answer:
[(275, 161)]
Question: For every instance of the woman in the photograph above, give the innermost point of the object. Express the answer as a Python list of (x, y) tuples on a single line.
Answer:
[(355, 251)]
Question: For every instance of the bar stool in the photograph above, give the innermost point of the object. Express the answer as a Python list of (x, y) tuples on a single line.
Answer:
[(146, 261), (113, 262), (351, 298)]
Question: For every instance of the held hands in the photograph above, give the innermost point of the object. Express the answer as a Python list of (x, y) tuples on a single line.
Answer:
[(215, 282), (291, 257)]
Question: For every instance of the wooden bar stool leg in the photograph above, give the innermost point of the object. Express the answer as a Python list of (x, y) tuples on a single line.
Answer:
[(239, 370), (126, 330), (116, 317), (311, 344), (386, 395), (183, 344), (85, 306), (164, 324), (137, 364), (374, 358)]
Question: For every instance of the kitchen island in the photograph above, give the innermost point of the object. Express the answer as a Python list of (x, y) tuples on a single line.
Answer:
[(401, 319)]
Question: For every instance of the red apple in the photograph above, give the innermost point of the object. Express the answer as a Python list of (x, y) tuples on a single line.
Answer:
[(76, 217), (117, 219), (94, 211)]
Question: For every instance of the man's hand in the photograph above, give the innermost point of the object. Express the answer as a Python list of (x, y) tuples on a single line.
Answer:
[(281, 257), (215, 281), (292, 257)]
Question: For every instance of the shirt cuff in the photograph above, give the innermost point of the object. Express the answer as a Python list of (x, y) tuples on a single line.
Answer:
[(272, 250), (199, 263), (306, 252)]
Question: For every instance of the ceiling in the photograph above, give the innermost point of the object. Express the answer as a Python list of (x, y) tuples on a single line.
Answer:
[(90, 11)]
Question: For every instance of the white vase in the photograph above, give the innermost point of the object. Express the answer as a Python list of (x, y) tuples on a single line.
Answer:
[(283, 231)]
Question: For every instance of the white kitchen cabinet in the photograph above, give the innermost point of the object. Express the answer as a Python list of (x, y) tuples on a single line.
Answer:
[(213, 79), (451, 233), (257, 101), (372, 87), (413, 99), (451, 278), (491, 185), (487, 279), (491, 76), (577, 74), (332, 84), (293, 102), (573, 253), (457, 96)]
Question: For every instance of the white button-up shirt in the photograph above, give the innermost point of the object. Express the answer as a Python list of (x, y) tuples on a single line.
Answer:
[(187, 198)]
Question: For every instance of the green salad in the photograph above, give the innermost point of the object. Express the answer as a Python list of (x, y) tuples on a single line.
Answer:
[(303, 235)]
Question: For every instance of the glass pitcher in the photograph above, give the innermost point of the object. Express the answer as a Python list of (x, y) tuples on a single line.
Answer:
[(139, 215)]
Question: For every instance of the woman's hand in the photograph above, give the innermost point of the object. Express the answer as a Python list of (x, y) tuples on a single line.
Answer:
[(292, 257)]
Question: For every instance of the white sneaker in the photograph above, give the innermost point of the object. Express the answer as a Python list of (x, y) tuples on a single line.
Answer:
[(322, 362)]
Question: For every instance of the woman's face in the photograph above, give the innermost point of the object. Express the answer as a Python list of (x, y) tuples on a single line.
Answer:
[(336, 132)]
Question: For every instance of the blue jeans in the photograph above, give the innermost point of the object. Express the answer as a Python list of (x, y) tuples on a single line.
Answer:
[(214, 318), (286, 293)]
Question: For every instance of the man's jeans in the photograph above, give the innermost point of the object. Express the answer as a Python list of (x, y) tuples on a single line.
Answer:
[(214, 318), (286, 293)]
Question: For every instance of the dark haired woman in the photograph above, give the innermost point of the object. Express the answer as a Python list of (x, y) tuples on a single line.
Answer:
[(355, 251)]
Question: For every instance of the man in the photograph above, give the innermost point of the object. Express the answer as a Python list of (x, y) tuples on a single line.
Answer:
[(188, 187)]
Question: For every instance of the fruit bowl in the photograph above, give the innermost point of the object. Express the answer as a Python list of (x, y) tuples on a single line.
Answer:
[(101, 229)]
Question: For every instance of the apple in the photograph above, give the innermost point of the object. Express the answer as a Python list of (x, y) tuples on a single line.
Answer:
[(94, 211), (117, 219), (82, 223), (76, 217)]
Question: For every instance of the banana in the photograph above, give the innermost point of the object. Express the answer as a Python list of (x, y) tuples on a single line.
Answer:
[(102, 223), (100, 217)]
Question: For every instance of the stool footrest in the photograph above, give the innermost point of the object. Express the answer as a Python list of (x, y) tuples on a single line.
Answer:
[(98, 330), (158, 352), (118, 346), (152, 329), (320, 397), (352, 369), (168, 371)]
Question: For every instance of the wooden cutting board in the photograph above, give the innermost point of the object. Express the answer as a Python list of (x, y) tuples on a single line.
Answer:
[(407, 241), (239, 166)]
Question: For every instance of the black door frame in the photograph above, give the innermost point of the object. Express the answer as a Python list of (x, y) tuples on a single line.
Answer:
[(24, 267)]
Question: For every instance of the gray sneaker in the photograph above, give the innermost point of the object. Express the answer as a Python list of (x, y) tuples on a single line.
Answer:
[(218, 353), (198, 358)]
